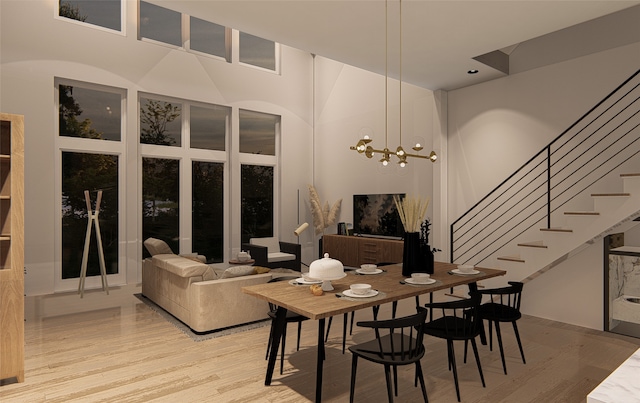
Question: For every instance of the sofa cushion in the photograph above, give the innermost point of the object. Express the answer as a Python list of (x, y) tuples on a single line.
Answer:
[(238, 271), (157, 246), (280, 257), (181, 266), (272, 244)]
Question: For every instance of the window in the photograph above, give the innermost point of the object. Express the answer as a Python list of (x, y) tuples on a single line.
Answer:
[(80, 172), (209, 38), (257, 201), (190, 168), (160, 201), (103, 13), (160, 24), (89, 113), (160, 122), (89, 144), (258, 132), (208, 209), (257, 51), (208, 127)]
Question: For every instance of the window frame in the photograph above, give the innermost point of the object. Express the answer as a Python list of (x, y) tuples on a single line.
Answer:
[(123, 20), (184, 22), (260, 159), (228, 34), (185, 154), (277, 54), (89, 146)]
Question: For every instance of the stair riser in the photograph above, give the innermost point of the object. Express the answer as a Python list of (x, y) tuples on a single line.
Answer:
[(604, 204), (631, 184)]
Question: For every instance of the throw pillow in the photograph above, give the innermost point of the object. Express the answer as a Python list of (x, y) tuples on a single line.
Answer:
[(261, 270), (238, 271)]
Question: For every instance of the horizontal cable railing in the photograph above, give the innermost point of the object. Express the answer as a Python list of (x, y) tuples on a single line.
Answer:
[(598, 143)]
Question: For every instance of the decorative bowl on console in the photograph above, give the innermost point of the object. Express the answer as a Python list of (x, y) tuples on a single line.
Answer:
[(326, 269)]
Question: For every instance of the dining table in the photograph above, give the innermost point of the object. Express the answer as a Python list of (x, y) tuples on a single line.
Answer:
[(388, 283)]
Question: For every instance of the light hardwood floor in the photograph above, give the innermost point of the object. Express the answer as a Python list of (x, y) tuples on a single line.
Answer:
[(118, 350)]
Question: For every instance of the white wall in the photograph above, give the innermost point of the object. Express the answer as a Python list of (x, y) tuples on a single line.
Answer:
[(36, 47), (495, 127), (349, 100), (346, 100)]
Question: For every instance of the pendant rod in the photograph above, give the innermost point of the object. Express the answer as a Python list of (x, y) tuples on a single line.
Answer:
[(400, 75), (386, 74)]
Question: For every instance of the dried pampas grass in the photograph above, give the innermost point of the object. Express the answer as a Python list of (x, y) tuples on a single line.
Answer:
[(411, 211), (324, 216)]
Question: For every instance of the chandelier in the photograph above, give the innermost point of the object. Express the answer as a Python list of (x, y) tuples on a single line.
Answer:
[(363, 145)]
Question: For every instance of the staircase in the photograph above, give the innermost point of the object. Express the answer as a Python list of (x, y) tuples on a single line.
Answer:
[(583, 186), (612, 213)]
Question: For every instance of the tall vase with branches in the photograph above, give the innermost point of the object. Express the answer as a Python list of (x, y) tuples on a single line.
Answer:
[(324, 216)]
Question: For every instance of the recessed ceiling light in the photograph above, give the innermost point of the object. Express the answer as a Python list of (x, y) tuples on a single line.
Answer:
[(472, 71)]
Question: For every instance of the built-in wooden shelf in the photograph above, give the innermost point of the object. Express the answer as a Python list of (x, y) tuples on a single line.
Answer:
[(11, 248), (588, 213)]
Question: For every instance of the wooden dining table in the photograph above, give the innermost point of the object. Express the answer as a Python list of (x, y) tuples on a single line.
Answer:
[(390, 285)]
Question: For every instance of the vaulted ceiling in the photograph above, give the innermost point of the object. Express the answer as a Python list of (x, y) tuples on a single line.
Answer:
[(439, 39)]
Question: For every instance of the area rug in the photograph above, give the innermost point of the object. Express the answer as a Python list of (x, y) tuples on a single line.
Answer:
[(201, 336)]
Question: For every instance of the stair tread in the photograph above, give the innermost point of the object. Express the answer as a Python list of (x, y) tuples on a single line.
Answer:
[(556, 229), (581, 213), (511, 258), (535, 244), (610, 194)]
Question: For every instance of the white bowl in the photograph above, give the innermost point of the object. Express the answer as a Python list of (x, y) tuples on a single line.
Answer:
[(420, 277), (360, 289), (368, 268), (465, 268)]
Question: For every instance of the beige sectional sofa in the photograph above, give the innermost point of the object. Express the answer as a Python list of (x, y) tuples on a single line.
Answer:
[(202, 297), (191, 292)]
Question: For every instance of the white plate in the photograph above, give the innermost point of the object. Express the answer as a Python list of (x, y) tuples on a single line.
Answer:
[(412, 281), (376, 271), (457, 271), (301, 280), (349, 293)]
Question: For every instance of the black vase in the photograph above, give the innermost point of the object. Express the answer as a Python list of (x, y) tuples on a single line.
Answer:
[(411, 255), (429, 259)]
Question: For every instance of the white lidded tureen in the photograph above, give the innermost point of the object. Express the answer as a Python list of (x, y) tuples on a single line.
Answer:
[(326, 269)]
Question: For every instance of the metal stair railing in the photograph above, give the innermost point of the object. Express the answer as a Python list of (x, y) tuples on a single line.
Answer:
[(602, 140)]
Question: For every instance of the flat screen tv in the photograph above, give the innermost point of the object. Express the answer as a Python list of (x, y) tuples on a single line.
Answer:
[(376, 215)]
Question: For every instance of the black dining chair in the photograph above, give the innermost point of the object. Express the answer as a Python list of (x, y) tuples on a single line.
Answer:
[(292, 317), (453, 321), (503, 306), (398, 342), (375, 309)]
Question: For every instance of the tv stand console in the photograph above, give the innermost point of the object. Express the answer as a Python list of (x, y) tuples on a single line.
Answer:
[(356, 250)]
